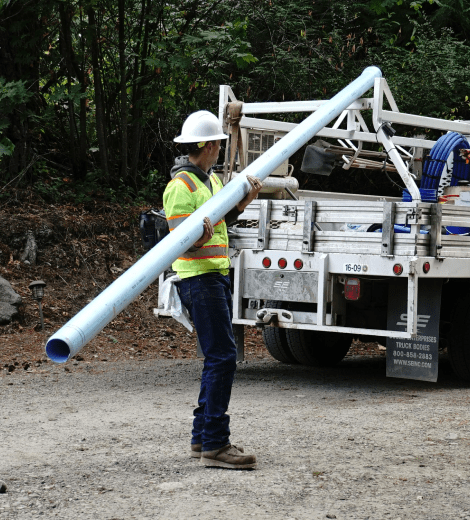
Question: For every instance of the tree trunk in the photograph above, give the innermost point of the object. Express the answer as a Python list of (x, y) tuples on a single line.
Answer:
[(83, 109), (66, 50), (122, 67), (139, 70), (100, 113)]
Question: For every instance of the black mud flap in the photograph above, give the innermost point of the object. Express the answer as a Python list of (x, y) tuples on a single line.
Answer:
[(419, 358)]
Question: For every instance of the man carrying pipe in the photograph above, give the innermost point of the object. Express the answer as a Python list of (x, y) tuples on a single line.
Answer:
[(205, 288)]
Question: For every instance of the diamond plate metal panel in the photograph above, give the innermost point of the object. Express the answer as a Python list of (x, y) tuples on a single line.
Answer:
[(277, 285)]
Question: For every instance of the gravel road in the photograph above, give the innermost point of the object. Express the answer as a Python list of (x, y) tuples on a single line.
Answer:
[(109, 441)]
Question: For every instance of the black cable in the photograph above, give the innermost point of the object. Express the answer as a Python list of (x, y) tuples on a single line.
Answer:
[(384, 170)]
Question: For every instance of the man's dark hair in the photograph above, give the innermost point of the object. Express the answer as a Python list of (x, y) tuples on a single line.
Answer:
[(194, 150)]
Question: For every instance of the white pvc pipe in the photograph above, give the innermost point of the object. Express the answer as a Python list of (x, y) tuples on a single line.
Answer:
[(276, 184), (83, 327)]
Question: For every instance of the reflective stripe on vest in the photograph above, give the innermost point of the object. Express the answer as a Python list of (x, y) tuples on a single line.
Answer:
[(184, 177), (205, 252), (175, 221)]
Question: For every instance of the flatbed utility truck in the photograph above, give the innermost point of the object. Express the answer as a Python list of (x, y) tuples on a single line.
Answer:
[(317, 269)]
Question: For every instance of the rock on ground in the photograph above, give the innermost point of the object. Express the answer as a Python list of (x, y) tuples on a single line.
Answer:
[(9, 302)]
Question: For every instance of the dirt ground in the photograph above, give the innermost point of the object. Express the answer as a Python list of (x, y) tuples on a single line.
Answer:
[(81, 250), (110, 441)]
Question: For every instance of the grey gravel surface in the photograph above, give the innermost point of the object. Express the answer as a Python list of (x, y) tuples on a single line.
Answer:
[(110, 441)]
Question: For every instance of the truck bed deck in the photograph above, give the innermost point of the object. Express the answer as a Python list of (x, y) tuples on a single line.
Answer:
[(322, 225)]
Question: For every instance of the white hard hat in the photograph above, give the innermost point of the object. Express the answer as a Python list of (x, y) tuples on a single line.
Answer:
[(199, 127)]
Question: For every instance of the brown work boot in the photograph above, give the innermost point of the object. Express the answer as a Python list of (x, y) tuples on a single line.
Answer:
[(229, 457), (196, 451)]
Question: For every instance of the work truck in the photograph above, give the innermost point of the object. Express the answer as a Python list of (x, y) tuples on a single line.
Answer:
[(318, 269)]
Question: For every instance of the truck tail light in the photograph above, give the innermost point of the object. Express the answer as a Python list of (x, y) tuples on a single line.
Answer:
[(397, 269), (352, 289), (426, 267), (298, 264), (266, 262), (282, 263)]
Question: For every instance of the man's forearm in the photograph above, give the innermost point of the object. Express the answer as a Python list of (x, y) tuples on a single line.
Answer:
[(232, 215)]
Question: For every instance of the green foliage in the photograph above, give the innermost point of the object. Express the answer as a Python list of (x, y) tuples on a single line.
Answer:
[(65, 62), (53, 188), (429, 76), (385, 6), (305, 50), (13, 95), (6, 146)]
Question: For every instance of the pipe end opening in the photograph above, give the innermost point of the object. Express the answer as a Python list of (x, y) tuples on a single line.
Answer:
[(57, 350)]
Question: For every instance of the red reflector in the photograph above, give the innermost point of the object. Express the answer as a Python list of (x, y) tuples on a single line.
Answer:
[(426, 267), (352, 289), (298, 264), (266, 262), (397, 269), (282, 263)]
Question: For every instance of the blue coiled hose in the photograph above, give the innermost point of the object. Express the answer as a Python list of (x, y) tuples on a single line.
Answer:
[(434, 164)]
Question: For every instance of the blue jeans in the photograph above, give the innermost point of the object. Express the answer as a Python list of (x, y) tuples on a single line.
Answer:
[(209, 302)]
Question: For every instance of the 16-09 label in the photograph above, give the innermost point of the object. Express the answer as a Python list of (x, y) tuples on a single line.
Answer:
[(354, 268)]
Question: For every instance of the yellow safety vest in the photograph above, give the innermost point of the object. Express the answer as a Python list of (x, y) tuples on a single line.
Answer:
[(184, 195)]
